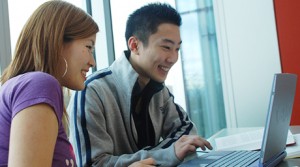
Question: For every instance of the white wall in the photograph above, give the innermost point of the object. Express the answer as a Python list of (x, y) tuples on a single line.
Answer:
[(249, 56)]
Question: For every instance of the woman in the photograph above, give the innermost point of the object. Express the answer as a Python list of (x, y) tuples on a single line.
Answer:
[(54, 50)]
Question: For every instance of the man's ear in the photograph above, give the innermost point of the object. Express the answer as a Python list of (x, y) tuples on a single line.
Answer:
[(133, 44)]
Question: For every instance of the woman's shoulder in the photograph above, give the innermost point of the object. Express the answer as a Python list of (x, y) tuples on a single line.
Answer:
[(33, 83), (31, 79), (38, 77)]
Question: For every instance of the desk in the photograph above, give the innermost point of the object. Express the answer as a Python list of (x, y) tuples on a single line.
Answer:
[(230, 131)]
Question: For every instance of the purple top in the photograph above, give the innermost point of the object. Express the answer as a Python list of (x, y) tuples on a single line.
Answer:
[(26, 90)]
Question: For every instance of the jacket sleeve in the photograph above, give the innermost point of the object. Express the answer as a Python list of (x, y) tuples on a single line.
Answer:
[(174, 121)]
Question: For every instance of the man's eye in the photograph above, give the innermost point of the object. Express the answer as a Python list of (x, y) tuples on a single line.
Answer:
[(166, 47)]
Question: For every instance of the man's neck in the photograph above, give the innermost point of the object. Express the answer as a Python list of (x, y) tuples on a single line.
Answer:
[(143, 82)]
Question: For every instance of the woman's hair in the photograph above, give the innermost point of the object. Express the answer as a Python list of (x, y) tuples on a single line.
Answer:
[(41, 40)]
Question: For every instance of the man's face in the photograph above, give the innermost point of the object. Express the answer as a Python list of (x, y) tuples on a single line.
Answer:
[(156, 59)]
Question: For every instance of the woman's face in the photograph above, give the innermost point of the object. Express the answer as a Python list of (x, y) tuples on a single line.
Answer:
[(79, 57)]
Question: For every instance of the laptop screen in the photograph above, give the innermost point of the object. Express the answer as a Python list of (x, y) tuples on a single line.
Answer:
[(279, 115)]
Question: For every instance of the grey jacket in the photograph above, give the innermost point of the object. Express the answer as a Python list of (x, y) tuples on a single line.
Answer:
[(102, 129)]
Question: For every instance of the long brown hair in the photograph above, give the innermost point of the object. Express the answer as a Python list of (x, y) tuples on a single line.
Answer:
[(39, 45)]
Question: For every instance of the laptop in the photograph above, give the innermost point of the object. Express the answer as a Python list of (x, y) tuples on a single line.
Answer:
[(273, 146)]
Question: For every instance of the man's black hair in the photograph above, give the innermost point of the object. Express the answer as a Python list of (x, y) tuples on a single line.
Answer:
[(144, 21)]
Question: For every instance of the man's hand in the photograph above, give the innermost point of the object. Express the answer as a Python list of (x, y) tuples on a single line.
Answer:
[(187, 144), (149, 162)]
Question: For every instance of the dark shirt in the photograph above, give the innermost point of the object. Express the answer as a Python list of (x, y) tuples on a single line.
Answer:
[(140, 111)]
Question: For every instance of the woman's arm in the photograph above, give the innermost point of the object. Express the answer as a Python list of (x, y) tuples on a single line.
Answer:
[(33, 136)]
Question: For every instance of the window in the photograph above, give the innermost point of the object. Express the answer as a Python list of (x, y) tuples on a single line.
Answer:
[(20, 11), (201, 69), (4, 36)]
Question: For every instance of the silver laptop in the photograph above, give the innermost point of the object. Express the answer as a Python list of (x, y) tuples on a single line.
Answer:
[(272, 151)]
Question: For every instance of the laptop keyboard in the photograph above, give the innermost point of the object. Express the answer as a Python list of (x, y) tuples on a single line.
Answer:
[(236, 159)]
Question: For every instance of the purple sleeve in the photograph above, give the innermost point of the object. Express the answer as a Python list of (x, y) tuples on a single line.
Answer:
[(35, 88)]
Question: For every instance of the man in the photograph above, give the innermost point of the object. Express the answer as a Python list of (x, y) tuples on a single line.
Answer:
[(126, 113)]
